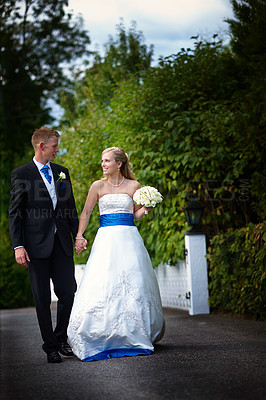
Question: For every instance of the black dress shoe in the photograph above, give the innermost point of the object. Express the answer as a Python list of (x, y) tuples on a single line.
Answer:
[(65, 349), (54, 357)]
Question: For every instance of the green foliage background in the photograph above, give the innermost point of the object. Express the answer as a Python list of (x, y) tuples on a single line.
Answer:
[(37, 40), (194, 125), (237, 271), (188, 131)]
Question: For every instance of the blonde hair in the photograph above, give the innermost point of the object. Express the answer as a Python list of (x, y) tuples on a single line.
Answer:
[(43, 134), (121, 155)]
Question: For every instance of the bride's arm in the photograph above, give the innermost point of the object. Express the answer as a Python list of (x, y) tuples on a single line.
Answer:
[(139, 211), (91, 200)]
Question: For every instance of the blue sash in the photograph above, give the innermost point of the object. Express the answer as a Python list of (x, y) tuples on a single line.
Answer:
[(116, 219)]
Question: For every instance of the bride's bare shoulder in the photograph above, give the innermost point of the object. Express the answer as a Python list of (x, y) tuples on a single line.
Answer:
[(133, 186), (97, 186), (136, 184), (98, 183)]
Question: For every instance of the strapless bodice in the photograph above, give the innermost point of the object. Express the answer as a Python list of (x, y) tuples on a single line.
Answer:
[(116, 203)]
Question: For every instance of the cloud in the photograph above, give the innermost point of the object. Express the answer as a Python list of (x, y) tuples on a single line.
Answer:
[(184, 12), (165, 23)]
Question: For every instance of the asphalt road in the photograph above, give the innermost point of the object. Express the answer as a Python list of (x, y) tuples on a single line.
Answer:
[(205, 357)]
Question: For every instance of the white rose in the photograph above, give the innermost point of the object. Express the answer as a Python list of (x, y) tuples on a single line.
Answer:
[(62, 175)]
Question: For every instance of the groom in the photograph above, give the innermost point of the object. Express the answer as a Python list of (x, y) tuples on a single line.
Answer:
[(43, 222)]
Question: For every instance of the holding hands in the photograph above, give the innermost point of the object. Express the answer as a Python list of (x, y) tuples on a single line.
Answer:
[(80, 244)]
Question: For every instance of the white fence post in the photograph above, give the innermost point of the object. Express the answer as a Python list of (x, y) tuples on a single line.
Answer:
[(197, 273)]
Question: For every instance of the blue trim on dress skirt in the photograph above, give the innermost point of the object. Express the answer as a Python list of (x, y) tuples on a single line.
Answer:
[(116, 219), (114, 353)]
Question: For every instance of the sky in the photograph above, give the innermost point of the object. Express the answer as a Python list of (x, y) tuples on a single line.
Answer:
[(167, 24)]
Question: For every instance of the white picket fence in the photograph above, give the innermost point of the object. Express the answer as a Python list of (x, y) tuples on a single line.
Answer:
[(183, 286), (172, 282)]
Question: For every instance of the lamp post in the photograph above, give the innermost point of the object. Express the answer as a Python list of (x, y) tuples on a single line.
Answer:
[(195, 243), (193, 212)]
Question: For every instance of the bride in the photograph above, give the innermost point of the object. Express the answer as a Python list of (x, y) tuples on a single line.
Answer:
[(117, 310)]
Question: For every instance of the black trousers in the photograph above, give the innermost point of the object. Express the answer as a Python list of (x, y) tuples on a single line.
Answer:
[(60, 268)]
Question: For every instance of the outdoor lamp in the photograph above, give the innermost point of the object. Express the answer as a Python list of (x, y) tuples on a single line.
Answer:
[(193, 212)]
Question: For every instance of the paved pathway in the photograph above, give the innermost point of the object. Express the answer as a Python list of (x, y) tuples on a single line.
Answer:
[(205, 357)]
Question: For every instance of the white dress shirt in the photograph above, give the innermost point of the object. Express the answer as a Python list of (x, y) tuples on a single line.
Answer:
[(50, 186)]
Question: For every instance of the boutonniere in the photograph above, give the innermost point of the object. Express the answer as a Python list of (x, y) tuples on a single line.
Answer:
[(61, 176)]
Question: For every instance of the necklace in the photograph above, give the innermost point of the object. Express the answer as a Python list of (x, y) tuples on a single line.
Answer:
[(118, 184)]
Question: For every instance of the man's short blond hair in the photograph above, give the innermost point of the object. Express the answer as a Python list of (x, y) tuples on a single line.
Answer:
[(43, 134)]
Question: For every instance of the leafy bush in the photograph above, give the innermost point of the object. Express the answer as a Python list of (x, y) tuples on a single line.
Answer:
[(237, 270), (186, 134), (14, 279), (15, 287)]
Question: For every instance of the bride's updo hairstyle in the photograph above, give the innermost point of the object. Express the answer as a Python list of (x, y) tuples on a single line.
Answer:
[(121, 155)]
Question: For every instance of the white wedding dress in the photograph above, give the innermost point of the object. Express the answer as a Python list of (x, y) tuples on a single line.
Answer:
[(117, 310)]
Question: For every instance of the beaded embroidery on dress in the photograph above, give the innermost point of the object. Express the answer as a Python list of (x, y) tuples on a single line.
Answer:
[(117, 310)]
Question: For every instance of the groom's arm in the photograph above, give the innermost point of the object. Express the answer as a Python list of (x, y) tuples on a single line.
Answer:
[(73, 215), (16, 210)]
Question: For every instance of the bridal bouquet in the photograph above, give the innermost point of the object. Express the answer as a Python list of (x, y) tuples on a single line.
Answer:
[(147, 196)]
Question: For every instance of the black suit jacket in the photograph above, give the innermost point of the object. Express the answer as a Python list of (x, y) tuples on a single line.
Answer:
[(32, 219)]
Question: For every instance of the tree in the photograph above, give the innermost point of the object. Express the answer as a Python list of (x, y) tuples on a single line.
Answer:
[(249, 49), (247, 37), (38, 41), (177, 127), (125, 55), (86, 108), (186, 136)]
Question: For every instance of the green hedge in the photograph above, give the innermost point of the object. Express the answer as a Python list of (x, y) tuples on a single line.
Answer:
[(15, 288), (237, 271)]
